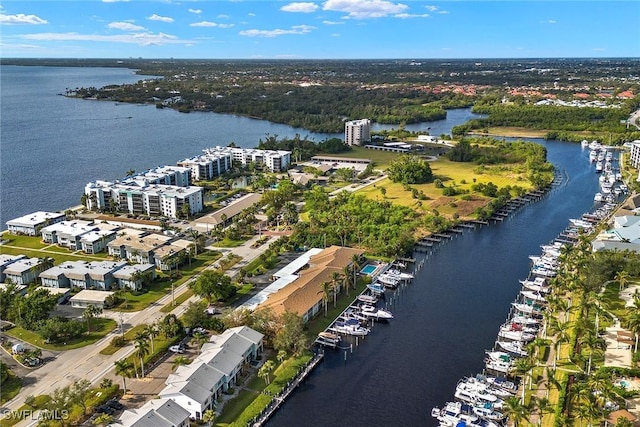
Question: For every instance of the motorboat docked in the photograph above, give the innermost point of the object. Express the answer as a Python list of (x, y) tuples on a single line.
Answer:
[(480, 383), (471, 393), (454, 412), (533, 296), (376, 288), (526, 308), (593, 156), (367, 299), (597, 198), (535, 285), (544, 272), (388, 280), (513, 347), (512, 333), (488, 412), (525, 320), (329, 337), (501, 383), (498, 361), (350, 327), (397, 273), (375, 312)]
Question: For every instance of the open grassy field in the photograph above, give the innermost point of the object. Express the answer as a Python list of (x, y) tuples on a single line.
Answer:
[(99, 328), (512, 132), (460, 175)]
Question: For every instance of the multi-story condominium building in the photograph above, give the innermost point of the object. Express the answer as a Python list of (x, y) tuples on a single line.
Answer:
[(274, 160), (143, 198), (32, 224), (139, 249), (207, 166), (635, 154), (164, 175), (132, 276), (5, 260), (357, 131)]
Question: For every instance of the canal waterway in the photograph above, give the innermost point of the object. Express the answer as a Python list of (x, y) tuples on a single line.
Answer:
[(444, 320)]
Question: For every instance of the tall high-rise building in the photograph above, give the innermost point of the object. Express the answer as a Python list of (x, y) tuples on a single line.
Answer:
[(357, 131)]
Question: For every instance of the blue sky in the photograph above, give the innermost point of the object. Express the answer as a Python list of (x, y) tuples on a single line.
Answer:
[(319, 29)]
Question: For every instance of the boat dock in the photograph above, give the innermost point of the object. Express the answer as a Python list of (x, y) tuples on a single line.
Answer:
[(279, 399)]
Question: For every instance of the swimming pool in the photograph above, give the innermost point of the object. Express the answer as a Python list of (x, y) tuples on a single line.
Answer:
[(368, 269)]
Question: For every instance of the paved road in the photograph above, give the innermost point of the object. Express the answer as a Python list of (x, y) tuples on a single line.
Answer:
[(88, 363)]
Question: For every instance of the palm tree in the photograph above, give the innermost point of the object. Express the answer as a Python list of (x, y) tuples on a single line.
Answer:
[(633, 323), (282, 356), (142, 349), (200, 339), (180, 361), (209, 417), (541, 405), (346, 273), (151, 331), (355, 266), (326, 293), (336, 278), (622, 277), (561, 333), (265, 370), (515, 410), (123, 368)]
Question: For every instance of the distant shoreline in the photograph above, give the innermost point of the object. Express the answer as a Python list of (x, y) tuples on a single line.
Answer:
[(508, 132)]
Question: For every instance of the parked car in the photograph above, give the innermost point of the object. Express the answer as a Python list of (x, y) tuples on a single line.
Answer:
[(176, 349), (105, 409), (199, 331), (114, 404)]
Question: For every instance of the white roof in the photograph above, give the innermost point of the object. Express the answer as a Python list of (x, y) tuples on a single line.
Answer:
[(35, 218), (21, 265), (8, 259), (89, 295), (71, 228), (155, 413)]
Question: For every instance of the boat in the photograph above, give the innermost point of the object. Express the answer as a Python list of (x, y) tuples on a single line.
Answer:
[(526, 308), (525, 320), (350, 327), (498, 361), (515, 333), (536, 285), (388, 280), (501, 383), (593, 155), (378, 313), (397, 273), (368, 299), (471, 393), (488, 412), (454, 412), (513, 347), (329, 336), (376, 288), (533, 296), (599, 167), (597, 198), (544, 272)]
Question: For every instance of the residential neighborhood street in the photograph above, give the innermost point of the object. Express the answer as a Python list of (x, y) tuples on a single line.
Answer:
[(64, 368)]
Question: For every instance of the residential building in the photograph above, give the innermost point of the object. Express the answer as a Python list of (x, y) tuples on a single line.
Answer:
[(133, 276), (197, 386), (624, 235), (5, 260), (87, 297), (356, 132), (96, 241), (82, 274), (67, 233), (634, 156), (208, 166), (156, 413), (137, 248), (163, 175), (304, 295), (24, 271), (273, 160), (32, 224), (227, 213), (139, 197)]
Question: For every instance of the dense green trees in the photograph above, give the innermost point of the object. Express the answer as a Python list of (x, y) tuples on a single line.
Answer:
[(213, 285), (410, 170)]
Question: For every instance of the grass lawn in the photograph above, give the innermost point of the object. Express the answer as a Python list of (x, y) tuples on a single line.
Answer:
[(99, 328), (140, 301), (168, 308), (228, 243), (58, 257), (513, 132), (10, 388), (23, 241)]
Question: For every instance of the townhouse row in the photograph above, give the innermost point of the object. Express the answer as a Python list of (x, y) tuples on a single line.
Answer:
[(193, 389)]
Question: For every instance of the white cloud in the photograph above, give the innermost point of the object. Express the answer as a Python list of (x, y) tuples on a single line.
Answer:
[(251, 14), (332, 22), (210, 24), (155, 17), (142, 39), (114, 1), (196, 11), (363, 9), (21, 18), (409, 15), (551, 21), (223, 16), (296, 29), (124, 26), (436, 9), (300, 7)]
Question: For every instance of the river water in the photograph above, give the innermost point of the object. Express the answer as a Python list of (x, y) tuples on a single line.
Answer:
[(444, 320), (51, 146)]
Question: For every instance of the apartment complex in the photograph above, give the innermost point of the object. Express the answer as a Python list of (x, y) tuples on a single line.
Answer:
[(635, 154), (356, 132), (273, 160), (207, 166), (140, 197), (99, 275), (31, 224)]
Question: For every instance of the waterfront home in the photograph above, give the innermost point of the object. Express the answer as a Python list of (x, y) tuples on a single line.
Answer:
[(304, 296), (24, 270), (134, 276), (163, 175), (156, 413), (196, 387), (31, 224), (624, 235), (5, 260), (87, 297), (67, 233), (273, 160)]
